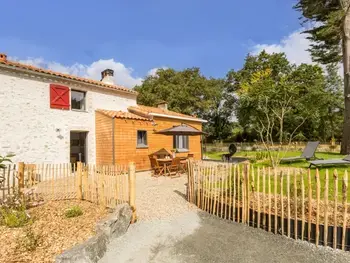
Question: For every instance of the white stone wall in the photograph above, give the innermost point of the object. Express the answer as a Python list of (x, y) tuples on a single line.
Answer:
[(35, 132)]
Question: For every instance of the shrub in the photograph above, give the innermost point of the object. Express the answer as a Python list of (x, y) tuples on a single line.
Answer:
[(14, 218), (29, 241), (74, 211)]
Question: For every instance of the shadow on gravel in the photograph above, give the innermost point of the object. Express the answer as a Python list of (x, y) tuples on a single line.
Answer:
[(218, 240), (180, 194)]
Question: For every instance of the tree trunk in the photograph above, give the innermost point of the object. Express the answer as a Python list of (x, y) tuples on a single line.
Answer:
[(345, 146)]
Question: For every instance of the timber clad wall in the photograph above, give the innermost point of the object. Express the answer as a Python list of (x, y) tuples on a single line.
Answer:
[(103, 139), (126, 140)]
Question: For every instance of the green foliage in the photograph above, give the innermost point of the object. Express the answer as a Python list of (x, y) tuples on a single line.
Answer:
[(189, 92), (30, 240), (279, 98), (5, 159), (13, 218), (326, 35), (74, 211)]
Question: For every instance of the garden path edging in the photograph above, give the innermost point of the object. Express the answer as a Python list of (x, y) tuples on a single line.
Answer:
[(113, 226)]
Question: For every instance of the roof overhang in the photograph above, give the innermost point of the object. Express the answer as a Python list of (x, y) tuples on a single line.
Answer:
[(176, 117), (35, 73)]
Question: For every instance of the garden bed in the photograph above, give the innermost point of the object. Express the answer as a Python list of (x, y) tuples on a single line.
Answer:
[(51, 232)]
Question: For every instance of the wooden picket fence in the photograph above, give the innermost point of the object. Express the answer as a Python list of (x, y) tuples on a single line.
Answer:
[(299, 204), (106, 185)]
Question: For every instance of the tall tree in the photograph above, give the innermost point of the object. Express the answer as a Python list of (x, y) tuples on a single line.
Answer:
[(331, 44), (189, 92)]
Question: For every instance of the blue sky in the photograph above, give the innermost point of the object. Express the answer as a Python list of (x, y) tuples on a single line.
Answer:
[(136, 36)]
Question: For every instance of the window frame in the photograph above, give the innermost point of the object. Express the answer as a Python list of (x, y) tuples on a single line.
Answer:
[(71, 100), (142, 145), (176, 142)]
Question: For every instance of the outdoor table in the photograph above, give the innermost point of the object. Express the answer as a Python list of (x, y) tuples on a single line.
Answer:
[(165, 162)]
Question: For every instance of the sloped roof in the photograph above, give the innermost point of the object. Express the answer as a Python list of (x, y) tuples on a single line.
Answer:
[(121, 115), (147, 111), (5, 61)]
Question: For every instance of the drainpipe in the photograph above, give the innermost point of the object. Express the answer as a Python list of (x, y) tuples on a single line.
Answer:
[(113, 146)]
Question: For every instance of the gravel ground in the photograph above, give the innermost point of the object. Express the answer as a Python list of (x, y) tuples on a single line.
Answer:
[(161, 197), (169, 230)]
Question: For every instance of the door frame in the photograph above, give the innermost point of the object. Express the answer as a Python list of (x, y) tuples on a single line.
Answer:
[(85, 146)]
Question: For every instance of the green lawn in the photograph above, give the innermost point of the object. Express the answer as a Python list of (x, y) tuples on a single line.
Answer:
[(300, 164)]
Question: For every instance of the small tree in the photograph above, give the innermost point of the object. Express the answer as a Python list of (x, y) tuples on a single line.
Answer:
[(275, 98)]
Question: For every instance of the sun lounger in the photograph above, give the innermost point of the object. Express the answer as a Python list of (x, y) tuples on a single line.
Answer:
[(344, 161), (308, 153)]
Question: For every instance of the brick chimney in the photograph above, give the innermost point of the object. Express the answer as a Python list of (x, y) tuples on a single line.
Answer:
[(163, 105), (107, 76), (3, 57)]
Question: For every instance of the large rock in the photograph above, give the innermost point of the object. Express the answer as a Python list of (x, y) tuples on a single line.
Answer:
[(90, 251), (115, 225)]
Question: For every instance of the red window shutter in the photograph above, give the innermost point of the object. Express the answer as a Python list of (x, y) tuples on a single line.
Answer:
[(59, 97)]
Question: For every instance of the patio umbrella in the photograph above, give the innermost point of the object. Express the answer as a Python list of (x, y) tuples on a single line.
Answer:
[(182, 129)]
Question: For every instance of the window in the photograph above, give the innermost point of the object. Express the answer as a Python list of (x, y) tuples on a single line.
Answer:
[(141, 139), (78, 100), (181, 143)]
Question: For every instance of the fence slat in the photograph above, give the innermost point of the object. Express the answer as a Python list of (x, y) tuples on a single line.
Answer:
[(248, 193), (275, 198), (210, 189), (302, 206), (335, 223), (230, 192), (325, 234), (253, 192), (238, 194), (234, 192), (226, 190), (222, 194), (214, 189), (288, 203), (345, 204), (243, 190), (269, 188), (295, 206), (310, 205), (263, 196), (258, 193), (282, 205), (318, 190), (198, 186)]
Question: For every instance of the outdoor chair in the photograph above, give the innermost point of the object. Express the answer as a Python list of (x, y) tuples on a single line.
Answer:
[(308, 153), (344, 161), (157, 169), (175, 167)]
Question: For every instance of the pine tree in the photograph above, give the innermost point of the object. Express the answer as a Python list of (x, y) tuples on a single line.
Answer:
[(330, 36)]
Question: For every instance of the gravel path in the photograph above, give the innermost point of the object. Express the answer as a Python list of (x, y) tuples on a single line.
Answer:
[(162, 197), (169, 230)]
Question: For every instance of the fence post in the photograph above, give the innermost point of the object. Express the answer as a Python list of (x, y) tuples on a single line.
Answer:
[(132, 189), (20, 176), (79, 181)]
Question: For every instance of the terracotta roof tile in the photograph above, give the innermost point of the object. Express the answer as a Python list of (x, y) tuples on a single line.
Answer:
[(146, 111), (5, 61), (122, 115)]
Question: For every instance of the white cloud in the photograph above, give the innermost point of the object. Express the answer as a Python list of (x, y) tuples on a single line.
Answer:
[(153, 71), (122, 74), (295, 47)]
